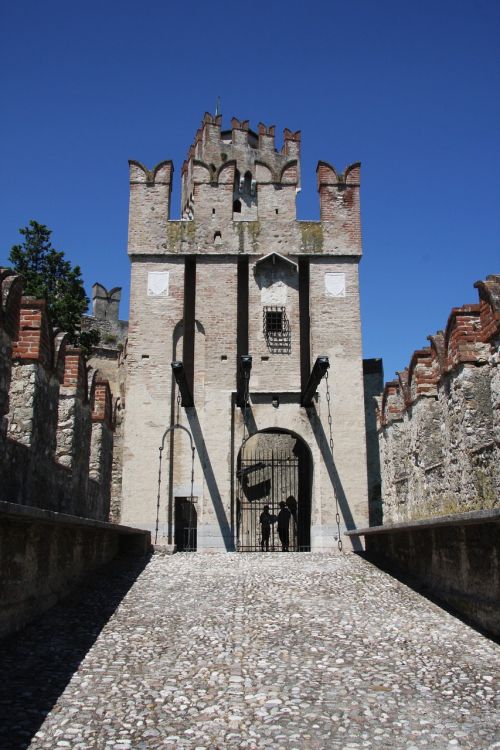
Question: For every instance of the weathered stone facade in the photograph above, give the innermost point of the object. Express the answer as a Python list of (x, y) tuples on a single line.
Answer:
[(107, 363), (54, 419), (238, 275), (440, 420)]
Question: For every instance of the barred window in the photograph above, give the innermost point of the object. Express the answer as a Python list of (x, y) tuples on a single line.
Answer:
[(276, 329), (274, 321)]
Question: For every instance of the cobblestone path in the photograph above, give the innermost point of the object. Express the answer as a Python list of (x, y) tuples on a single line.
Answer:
[(274, 651)]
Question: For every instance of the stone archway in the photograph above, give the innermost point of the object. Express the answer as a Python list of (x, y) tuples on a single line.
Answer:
[(274, 465)]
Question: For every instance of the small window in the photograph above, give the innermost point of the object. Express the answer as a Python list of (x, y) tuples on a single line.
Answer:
[(276, 329), (274, 321), (237, 207)]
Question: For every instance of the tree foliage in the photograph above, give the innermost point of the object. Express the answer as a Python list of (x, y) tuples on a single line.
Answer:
[(48, 275)]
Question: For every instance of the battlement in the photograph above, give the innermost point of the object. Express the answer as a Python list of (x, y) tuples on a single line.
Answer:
[(241, 156), (470, 337), (56, 437), (239, 190), (439, 421)]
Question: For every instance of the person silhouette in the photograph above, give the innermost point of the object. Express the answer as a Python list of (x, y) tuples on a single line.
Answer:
[(284, 526), (266, 519)]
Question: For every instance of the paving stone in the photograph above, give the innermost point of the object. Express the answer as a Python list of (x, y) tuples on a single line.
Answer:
[(273, 651)]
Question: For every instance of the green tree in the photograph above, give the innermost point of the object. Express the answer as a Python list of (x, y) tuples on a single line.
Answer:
[(47, 275)]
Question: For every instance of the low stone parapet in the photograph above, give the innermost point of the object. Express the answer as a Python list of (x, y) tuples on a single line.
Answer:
[(455, 559), (44, 555)]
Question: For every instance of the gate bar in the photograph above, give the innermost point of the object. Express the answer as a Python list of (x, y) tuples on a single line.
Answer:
[(181, 380), (317, 373)]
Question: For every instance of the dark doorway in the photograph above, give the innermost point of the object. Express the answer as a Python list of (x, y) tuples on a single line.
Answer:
[(186, 522), (274, 466)]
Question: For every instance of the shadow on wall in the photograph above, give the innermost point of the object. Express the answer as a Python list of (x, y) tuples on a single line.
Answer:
[(37, 663), (329, 461), (211, 482)]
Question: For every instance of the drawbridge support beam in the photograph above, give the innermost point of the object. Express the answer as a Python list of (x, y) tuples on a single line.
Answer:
[(245, 368), (181, 380), (318, 372)]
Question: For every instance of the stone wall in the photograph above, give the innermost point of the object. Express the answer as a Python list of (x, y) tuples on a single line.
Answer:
[(107, 363), (454, 559), (44, 555), (440, 420), (53, 417)]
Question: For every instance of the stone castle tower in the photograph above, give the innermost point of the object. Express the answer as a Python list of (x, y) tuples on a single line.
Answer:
[(239, 275)]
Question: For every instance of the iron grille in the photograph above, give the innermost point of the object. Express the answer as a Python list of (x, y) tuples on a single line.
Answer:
[(276, 329), (267, 478)]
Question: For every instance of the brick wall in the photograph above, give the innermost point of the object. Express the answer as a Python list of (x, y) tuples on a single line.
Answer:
[(221, 167)]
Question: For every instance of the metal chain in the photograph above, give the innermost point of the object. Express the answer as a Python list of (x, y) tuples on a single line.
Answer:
[(246, 397), (158, 498), (330, 428), (191, 502), (178, 406)]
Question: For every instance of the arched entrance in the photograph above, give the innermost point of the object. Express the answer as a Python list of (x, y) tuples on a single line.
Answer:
[(274, 466)]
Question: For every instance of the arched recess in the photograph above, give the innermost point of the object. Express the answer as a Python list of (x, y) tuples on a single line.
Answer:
[(181, 509), (274, 465)]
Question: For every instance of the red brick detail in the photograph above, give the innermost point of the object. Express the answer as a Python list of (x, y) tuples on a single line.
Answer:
[(423, 373), (392, 403), (266, 137), (74, 369), (34, 341), (463, 338), (239, 124), (291, 142), (102, 410)]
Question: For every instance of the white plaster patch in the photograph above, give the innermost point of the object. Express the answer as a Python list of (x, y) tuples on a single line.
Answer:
[(335, 284), (275, 294), (158, 283)]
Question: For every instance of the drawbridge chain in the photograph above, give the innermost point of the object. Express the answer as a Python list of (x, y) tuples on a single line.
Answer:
[(176, 426), (330, 428)]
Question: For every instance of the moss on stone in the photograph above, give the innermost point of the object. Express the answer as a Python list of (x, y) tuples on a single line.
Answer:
[(177, 232), (253, 228), (312, 236)]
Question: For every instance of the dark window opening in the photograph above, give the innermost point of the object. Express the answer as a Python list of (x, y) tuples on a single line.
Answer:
[(276, 329), (276, 210), (213, 210), (217, 235), (274, 321), (237, 207)]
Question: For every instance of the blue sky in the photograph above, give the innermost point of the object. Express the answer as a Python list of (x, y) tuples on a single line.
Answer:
[(410, 89)]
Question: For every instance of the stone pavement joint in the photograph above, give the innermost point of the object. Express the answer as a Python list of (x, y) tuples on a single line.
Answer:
[(275, 651)]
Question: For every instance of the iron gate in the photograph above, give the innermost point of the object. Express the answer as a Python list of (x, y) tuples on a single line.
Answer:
[(266, 478)]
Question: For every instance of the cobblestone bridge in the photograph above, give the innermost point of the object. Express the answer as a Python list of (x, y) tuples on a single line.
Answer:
[(274, 651)]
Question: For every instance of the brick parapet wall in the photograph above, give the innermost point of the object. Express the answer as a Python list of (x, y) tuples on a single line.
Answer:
[(439, 423), (45, 440), (102, 410)]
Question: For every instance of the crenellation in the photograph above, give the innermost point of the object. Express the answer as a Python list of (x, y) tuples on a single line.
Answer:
[(444, 411), (45, 442), (240, 231)]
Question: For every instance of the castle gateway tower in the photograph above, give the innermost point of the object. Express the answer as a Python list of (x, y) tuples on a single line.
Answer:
[(238, 275)]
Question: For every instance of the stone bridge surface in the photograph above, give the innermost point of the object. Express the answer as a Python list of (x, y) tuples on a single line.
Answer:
[(249, 651)]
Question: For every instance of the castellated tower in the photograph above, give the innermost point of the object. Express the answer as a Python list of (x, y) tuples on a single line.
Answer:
[(238, 275)]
